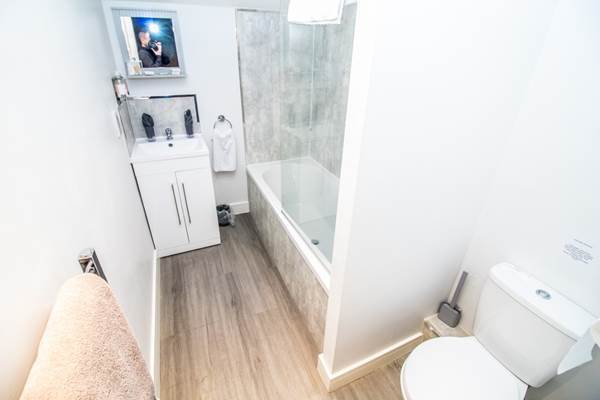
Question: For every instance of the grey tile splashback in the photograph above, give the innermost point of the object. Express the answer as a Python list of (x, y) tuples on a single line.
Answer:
[(295, 81), (166, 112)]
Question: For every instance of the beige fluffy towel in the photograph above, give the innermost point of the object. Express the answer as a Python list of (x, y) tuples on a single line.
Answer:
[(87, 350)]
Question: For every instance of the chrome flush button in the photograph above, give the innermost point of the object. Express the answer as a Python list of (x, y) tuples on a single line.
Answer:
[(543, 294)]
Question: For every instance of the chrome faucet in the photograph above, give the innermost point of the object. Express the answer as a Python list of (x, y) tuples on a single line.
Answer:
[(169, 133)]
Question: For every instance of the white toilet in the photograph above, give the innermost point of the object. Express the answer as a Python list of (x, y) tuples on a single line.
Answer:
[(522, 331)]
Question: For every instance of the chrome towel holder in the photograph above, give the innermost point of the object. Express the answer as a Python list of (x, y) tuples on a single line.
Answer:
[(221, 118), (88, 260)]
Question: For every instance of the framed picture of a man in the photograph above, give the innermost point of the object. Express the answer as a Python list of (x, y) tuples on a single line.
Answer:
[(149, 43)]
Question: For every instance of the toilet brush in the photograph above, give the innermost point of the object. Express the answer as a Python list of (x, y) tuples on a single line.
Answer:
[(449, 313)]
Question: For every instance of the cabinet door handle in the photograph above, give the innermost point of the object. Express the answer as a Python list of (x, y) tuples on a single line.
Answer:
[(187, 207), (175, 201)]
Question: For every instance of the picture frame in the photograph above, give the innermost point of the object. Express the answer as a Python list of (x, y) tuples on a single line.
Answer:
[(150, 43)]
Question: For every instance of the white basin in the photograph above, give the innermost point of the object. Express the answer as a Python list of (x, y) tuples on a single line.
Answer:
[(163, 149)]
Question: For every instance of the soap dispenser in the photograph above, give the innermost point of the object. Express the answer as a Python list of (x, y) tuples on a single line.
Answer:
[(189, 123), (120, 87)]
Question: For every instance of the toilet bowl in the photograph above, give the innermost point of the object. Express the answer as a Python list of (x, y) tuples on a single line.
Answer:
[(457, 368), (522, 330)]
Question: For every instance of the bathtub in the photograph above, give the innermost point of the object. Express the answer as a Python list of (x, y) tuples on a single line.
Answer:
[(309, 193)]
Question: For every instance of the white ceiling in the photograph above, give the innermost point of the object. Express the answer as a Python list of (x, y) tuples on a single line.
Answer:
[(252, 4)]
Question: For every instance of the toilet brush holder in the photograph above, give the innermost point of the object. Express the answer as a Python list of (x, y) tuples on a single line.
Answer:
[(448, 312), (449, 315)]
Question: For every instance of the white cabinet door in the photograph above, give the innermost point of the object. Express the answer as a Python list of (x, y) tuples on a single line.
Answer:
[(163, 206), (196, 191)]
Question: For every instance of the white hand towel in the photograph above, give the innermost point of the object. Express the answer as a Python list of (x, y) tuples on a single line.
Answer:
[(315, 12), (224, 151)]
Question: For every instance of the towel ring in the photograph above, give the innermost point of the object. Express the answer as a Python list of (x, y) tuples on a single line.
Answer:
[(221, 118)]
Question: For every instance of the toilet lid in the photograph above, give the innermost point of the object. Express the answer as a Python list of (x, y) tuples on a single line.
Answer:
[(457, 368)]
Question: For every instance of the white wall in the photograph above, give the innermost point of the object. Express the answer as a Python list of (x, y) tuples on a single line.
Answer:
[(66, 181), (441, 95), (209, 45), (547, 192)]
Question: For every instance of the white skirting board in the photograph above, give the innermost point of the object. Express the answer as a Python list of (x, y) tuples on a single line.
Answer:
[(240, 207), (189, 247), (155, 335), (367, 365)]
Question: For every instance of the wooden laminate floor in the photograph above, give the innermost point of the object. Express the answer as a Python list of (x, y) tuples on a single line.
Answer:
[(230, 331)]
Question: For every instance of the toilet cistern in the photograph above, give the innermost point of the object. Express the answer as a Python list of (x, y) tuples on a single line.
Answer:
[(595, 331)]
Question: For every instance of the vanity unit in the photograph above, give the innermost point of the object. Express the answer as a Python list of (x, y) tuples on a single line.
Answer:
[(175, 184)]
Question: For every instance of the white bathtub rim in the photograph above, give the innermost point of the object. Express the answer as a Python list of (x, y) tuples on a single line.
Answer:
[(317, 266)]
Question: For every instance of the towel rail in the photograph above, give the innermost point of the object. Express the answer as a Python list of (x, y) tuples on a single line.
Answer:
[(221, 118), (88, 260)]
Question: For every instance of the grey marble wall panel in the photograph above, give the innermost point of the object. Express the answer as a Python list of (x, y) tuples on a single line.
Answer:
[(259, 47), (295, 82), (302, 285), (166, 112), (332, 61)]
